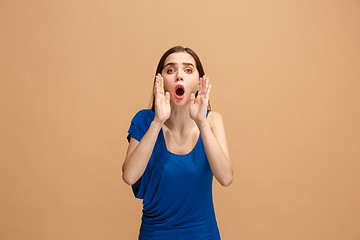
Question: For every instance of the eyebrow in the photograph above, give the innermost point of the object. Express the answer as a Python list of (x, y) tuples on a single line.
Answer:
[(184, 63)]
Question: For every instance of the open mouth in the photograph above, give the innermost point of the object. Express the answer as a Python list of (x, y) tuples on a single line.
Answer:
[(179, 91)]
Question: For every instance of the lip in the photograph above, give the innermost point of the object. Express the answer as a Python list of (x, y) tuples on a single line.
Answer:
[(176, 87)]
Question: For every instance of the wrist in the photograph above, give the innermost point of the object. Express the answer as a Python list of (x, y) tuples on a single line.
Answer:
[(157, 123), (203, 124)]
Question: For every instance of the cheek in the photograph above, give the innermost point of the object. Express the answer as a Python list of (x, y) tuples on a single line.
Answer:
[(196, 82), (167, 83), (193, 87)]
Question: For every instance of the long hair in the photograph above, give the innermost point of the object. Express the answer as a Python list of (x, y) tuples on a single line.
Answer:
[(160, 67)]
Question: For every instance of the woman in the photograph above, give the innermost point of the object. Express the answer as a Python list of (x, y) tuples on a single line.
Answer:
[(175, 149)]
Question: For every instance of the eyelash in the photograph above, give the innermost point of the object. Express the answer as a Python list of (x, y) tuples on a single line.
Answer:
[(188, 70)]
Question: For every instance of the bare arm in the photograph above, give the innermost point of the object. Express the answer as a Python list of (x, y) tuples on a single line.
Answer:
[(212, 133), (217, 152), (139, 153)]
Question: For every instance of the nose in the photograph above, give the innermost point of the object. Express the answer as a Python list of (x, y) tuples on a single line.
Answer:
[(179, 76)]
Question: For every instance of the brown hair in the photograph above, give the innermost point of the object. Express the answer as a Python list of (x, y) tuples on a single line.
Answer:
[(161, 66)]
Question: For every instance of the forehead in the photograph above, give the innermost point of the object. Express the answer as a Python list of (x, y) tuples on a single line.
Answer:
[(180, 57)]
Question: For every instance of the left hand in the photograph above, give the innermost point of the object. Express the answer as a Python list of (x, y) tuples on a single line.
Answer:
[(198, 105)]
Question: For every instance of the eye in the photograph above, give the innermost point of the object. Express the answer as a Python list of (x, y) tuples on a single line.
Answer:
[(170, 70), (188, 70)]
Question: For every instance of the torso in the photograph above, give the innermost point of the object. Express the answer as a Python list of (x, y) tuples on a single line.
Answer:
[(177, 188)]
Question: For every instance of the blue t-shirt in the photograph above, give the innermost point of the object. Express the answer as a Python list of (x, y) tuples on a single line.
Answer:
[(176, 189)]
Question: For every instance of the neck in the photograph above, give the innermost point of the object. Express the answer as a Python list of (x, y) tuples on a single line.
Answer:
[(180, 120)]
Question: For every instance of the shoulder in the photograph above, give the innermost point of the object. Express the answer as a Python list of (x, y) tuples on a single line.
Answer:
[(144, 114), (215, 118), (145, 111), (143, 118), (140, 123)]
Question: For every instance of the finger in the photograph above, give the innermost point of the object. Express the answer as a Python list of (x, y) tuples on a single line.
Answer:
[(162, 84), (200, 87), (155, 86), (208, 90), (206, 84), (158, 85), (209, 85), (203, 86)]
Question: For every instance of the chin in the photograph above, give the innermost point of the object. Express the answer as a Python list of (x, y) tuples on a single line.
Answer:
[(180, 102)]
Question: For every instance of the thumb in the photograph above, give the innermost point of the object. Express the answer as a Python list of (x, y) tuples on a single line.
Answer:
[(192, 98), (167, 96)]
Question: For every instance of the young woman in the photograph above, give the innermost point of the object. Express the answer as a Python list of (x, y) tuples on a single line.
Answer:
[(175, 149)]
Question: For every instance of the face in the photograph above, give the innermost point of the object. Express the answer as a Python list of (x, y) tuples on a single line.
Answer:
[(180, 72)]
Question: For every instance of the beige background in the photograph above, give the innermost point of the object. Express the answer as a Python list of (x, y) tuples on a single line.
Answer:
[(285, 77)]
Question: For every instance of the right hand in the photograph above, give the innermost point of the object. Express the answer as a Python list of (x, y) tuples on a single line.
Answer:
[(162, 101)]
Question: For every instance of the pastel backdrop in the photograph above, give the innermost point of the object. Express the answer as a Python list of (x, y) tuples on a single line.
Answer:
[(285, 78)]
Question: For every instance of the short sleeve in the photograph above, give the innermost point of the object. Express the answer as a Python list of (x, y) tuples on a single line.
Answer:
[(139, 124)]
